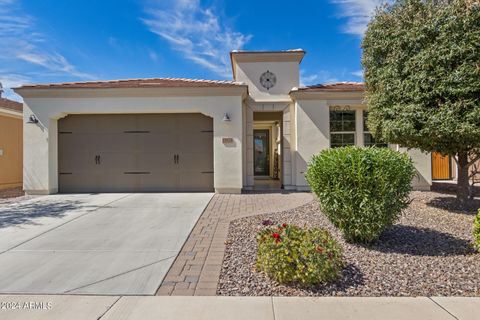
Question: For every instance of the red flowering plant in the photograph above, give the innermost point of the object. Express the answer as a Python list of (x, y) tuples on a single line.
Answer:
[(294, 255)]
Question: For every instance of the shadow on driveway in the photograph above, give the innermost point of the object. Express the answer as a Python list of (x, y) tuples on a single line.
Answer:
[(26, 213)]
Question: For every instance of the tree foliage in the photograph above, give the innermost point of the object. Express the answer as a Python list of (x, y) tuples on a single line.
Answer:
[(422, 72)]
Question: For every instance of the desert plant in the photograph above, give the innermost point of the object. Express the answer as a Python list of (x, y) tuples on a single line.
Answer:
[(294, 255), (361, 190), (476, 231)]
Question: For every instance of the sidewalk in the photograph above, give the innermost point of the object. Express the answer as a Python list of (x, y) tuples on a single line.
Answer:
[(233, 308)]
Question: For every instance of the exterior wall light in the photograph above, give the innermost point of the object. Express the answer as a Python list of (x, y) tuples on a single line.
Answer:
[(32, 119), (226, 118)]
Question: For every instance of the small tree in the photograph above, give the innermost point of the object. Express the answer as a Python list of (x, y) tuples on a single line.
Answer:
[(422, 75)]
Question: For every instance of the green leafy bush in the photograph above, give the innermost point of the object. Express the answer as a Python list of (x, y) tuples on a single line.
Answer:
[(476, 231), (361, 190), (290, 254)]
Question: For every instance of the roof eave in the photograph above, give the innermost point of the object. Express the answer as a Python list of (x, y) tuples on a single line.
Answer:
[(327, 94), (54, 92)]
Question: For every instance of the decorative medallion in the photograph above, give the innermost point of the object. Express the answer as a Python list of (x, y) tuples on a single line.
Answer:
[(268, 80)]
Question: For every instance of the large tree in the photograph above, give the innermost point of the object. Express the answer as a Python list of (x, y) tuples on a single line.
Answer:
[(422, 72)]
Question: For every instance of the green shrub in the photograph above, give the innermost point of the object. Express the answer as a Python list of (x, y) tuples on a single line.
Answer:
[(476, 232), (290, 254), (361, 190)]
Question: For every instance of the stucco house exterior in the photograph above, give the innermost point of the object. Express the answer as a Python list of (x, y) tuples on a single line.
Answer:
[(171, 134), (11, 140)]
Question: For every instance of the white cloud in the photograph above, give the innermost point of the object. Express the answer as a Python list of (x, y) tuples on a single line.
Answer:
[(26, 49), (320, 77), (358, 73), (197, 32), (12, 81), (357, 13)]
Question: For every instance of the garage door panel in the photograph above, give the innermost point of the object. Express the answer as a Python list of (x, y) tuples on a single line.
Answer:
[(78, 162), (155, 162), (195, 181), (195, 162), (159, 181), (80, 182), (118, 162), (194, 122), (166, 143), (106, 123), (72, 142), (114, 142), (137, 153), (157, 123), (197, 142)]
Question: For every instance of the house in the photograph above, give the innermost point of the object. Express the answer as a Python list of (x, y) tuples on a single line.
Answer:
[(11, 140), (174, 134)]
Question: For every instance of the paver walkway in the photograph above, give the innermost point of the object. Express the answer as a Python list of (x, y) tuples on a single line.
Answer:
[(196, 271), (54, 307)]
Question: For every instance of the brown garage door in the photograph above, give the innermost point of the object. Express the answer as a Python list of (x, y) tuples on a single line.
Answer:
[(135, 153)]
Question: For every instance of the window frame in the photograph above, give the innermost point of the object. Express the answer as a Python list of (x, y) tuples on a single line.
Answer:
[(342, 132)]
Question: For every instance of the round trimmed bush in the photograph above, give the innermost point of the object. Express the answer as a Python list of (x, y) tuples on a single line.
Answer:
[(476, 231), (361, 190), (294, 255)]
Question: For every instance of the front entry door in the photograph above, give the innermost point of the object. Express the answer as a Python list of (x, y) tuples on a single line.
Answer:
[(261, 143)]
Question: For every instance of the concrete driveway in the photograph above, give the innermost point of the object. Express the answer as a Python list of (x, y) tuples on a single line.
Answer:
[(94, 243)]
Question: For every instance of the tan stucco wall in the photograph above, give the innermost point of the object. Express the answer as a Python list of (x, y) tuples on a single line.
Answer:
[(11, 152), (287, 74), (40, 140), (312, 134)]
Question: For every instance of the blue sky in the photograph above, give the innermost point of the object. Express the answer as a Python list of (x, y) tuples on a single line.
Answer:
[(55, 41)]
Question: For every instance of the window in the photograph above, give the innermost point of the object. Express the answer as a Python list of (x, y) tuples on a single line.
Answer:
[(368, 139), (342, 128)]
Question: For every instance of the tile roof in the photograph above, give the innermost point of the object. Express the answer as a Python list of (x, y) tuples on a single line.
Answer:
[(10, 104), (140, 83), (334, 87)]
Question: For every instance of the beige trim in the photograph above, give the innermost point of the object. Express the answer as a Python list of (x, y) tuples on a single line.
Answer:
[(241, 90), (324, 95), (265, 56), (39, 192), (228, 190), (11, 113)]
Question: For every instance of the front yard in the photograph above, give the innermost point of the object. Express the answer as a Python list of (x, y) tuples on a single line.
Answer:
[(428, 252)]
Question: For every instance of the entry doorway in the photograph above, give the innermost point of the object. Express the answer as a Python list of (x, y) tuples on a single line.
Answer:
[(267, 150), (261, 145)]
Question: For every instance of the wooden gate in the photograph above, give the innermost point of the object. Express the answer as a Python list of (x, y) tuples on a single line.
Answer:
[(441, 167)]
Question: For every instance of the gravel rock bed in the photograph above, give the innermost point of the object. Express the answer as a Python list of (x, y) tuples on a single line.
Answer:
[(427, 253)]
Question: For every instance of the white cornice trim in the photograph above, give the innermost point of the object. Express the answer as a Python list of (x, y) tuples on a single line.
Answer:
[(131, 92), (325, 95)]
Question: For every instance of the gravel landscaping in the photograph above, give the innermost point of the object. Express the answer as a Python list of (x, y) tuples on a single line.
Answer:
[(427, 253)]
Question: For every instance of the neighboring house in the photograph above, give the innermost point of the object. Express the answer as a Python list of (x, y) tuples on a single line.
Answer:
[(169, 134), (11, 143)]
